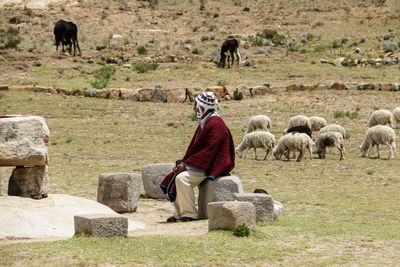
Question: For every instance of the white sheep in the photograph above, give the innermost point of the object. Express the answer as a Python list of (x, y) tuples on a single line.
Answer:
[(298, 120), (379, 135), (329, 139), (380, 117), (254, 140), (333, 128), (317, 123), (259, 122), (396, 117), (292, 142)]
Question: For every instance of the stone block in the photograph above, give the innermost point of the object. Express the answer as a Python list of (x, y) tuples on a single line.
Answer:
[(227, 215), (338, 86), (119, 191), (29, 182), (23, 141), (176, 95), (219, 91), (191, 93), (262, 202), (260, 90), (103, 225), (221, 189), (152, 175)]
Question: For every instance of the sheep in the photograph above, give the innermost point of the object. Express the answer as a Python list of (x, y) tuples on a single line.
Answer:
[(396, 117), (333, 128), (254, 140), (300, 129), (293, 141), (298, 120), (317, 123), (329, 139), (379, 135), (259, 122), (380, 117)]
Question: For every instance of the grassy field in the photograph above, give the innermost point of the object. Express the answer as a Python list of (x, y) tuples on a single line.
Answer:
[(336, 212)]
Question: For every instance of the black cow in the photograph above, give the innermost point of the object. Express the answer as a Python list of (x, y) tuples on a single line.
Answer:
[(229, 48), (66, 33)]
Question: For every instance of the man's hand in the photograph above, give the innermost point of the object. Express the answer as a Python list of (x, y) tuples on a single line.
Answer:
[(179, 168)]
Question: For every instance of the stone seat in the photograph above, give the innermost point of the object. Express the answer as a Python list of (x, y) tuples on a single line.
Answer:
[(103, 225), (227, 215), (119, 191), (221, 189)]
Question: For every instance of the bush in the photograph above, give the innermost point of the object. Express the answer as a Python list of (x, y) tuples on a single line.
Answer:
[(348, 114), (141, 50), (237, 95), (222, 83), (274, 36), (143, 67), (102, 76), (241, 230), (9, 39)]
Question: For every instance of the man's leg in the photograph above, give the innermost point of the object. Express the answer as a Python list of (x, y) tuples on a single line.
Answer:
[(185, 201)]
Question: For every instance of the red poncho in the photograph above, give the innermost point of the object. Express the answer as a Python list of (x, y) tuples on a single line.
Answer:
[(211, 149)]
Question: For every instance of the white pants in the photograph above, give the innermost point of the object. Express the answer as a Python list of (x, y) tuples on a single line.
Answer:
[(185, 202)]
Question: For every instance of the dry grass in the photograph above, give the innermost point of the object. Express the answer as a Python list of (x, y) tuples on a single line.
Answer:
[(336, 212)]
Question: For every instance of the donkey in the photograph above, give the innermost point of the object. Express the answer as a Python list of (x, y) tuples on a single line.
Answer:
[(229, 49)]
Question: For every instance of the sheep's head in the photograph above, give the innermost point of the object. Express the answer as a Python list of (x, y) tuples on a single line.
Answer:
[(319, 149), (239, 153), (277, 153), (364, 149)]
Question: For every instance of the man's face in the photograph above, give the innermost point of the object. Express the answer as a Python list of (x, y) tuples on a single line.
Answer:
[(199, 110)]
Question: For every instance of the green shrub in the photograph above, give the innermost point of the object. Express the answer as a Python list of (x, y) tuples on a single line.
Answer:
[(237, 95), (9, 39), (274, 36), (349, 114), (141, 50), (222, 83), (142, 67), (241, 230), (102, 76)]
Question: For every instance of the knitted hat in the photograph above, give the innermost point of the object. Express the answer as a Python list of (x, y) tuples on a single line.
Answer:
[(207, 100)]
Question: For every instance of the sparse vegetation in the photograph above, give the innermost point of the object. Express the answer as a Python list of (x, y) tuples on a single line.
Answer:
[(241, 230), (142, 67), (349, 114), (102, 76), (142, 50), (9, 39)]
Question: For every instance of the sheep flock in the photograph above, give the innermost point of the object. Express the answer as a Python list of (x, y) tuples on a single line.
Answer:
[(314, 134)]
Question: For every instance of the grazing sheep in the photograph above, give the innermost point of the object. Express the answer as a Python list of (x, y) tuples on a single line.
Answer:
[(379, 135), (380, 117), (396, 117), (333, 128), (291, 142), (329, 139), (254, 140), (259, 122), (298, 120), (317, 123), (300, 129)]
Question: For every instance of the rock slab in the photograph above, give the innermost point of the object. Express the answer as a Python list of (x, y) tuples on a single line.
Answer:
[(103, 225), (152, 175), (29, 182), (227, 215), (262, 202), (221, 189), (119, 191), (23, 141)]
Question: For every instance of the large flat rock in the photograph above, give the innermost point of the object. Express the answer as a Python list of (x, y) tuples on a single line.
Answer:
[(52, 217)]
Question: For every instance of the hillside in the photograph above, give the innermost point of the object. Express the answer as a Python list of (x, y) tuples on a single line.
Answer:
[(184, 37)]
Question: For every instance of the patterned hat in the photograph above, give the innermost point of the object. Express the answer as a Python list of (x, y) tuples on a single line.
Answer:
[(207, 100)]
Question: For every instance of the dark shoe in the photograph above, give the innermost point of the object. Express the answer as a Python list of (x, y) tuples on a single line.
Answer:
[(187, 219), (172, 219)]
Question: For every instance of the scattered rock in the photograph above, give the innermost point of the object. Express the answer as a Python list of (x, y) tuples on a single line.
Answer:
[(230, 214)]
